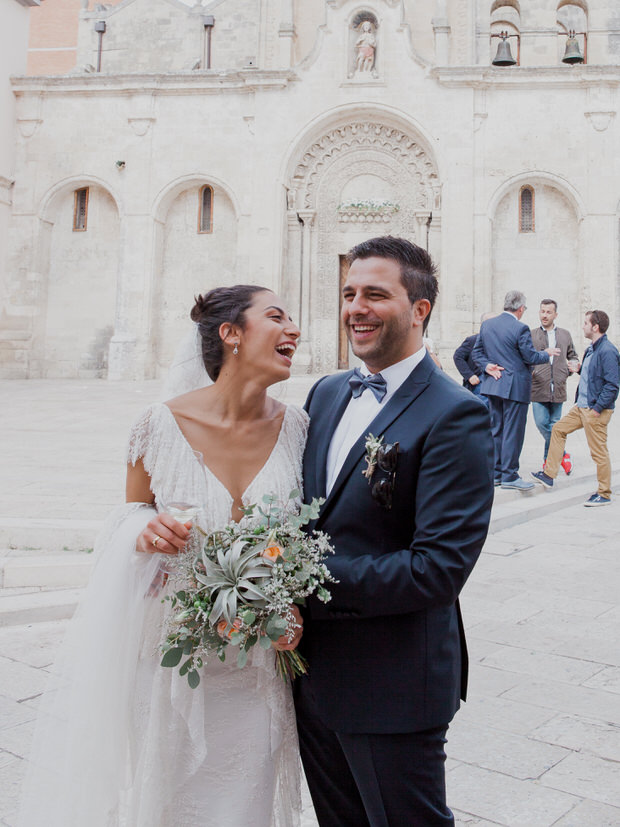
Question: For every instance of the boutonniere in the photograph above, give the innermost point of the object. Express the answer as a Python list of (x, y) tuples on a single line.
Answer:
[(373, 444), (384, 455)]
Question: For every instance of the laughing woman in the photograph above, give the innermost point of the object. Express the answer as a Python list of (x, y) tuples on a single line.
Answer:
[(128, 742)]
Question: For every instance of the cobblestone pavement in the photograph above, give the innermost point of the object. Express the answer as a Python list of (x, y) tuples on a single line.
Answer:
[(538, 742)]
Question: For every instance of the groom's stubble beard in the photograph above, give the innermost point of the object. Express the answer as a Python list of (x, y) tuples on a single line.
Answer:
[(391, 345)]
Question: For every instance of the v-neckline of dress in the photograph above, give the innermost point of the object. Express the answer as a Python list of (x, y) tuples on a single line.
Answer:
[(212, 474)]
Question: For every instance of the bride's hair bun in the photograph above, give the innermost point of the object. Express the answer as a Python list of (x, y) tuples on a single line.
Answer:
[(217, 307)]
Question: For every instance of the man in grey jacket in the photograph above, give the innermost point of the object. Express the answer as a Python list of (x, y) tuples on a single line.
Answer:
[(549, 379)]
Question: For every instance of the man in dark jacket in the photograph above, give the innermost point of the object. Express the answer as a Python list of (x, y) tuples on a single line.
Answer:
[(549, 379), (465, 364), (594, 405)]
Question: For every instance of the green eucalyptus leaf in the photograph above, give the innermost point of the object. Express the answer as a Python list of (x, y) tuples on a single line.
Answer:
[(186, 667), (264, 642), (242, 658), (172, 657), (193, 679)]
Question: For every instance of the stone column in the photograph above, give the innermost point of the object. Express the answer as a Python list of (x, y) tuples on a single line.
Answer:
[(421, 217), (304, 354), (441, 29), (293, 264), (286, 34), (127, 355), (434, 248)]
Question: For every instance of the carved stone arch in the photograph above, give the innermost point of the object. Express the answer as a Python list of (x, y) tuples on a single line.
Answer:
[(360, 134), (361, 175), (187, 261), (336, 4), (553, 248), (71, 338)]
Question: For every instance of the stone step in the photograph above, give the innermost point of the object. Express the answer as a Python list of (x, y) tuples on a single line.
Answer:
[(539, 502), (67, 570), (22, 606), (33, 534)]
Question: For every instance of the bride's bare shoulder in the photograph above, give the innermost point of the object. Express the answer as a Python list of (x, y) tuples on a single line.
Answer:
[(189, 403)]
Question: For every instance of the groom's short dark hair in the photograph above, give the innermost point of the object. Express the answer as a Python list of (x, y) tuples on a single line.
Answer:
[(418, 274)]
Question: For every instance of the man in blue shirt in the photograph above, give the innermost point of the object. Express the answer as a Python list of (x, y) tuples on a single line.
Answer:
[(594, 405)]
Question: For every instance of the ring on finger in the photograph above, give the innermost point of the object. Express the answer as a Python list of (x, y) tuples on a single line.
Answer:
[(156, 540)]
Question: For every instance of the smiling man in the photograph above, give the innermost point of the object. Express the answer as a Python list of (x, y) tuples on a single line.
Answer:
[(403, 456)]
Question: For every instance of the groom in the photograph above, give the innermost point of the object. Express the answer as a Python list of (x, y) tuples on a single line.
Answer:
[(408, 519)]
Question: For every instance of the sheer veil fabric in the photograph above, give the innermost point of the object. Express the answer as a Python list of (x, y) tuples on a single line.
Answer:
[(187, 371), (123, 742)]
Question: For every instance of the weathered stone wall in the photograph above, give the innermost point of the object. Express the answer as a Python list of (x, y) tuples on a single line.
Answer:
[(430, 142)]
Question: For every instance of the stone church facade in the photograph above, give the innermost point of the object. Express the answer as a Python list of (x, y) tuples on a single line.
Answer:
[(196, 145)]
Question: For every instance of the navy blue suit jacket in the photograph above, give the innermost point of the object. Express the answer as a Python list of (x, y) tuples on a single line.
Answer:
[(505, 341), (387, 654), (464, 360)]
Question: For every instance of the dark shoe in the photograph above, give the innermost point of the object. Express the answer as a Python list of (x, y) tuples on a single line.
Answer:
[(567, 464), (519, 484), (543, 479), (596, 499)]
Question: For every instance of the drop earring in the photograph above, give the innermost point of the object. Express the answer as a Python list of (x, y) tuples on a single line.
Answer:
[(236, 349)]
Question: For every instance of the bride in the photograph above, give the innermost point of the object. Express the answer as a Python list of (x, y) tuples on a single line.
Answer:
[(124, 741)]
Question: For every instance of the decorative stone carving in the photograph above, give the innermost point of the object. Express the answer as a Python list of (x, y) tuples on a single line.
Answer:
[(351, 138), (140, 126), (28, 126), (366, 212), (600, 120)]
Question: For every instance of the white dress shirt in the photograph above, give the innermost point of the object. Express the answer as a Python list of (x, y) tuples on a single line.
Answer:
[(551, 338), (360, 412)]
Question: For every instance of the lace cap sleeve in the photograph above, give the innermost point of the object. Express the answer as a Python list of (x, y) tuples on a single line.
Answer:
[(299, 421), (140, 436)]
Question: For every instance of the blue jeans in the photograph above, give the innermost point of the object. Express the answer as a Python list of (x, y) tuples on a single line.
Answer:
[(477, 391), (546, 414)]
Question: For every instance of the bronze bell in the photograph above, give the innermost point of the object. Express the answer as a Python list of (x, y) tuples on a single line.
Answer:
[(504, 55), (572, 53)]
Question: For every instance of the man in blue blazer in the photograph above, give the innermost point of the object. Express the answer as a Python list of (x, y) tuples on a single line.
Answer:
[(403, 455), (505, 353)]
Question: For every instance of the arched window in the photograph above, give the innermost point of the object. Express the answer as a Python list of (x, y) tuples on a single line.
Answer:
[(80, 210), (205, 210), (526, 210)]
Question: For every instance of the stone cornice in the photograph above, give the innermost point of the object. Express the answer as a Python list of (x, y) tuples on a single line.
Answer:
[(520, 77), (189, 83)]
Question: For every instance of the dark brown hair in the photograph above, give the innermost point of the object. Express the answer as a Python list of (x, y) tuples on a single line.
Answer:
[(600, 318), (217, 307), (418, 274)]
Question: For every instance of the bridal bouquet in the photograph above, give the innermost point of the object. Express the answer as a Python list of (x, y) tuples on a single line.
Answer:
[(239, 587)]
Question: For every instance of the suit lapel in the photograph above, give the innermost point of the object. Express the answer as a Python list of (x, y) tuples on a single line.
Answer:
[(320, 445), (408, 392)]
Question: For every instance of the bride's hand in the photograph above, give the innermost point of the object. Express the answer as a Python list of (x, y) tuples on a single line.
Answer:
[(163, 533), (283, 643)]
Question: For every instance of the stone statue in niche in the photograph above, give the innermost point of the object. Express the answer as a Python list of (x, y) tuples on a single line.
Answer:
[(365, 48)]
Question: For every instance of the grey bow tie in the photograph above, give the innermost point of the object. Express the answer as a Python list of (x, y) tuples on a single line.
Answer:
[(375, 382)]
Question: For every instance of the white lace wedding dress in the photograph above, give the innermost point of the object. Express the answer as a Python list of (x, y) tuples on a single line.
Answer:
[(125, 741)]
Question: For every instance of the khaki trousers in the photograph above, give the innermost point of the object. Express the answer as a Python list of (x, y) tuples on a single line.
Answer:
[(595, 428)]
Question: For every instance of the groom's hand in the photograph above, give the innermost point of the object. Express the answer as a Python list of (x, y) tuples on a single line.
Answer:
[(164, 534), (283, 644)]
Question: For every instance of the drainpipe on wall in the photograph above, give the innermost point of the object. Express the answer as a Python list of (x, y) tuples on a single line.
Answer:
[(208, 21), (100, 29)]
